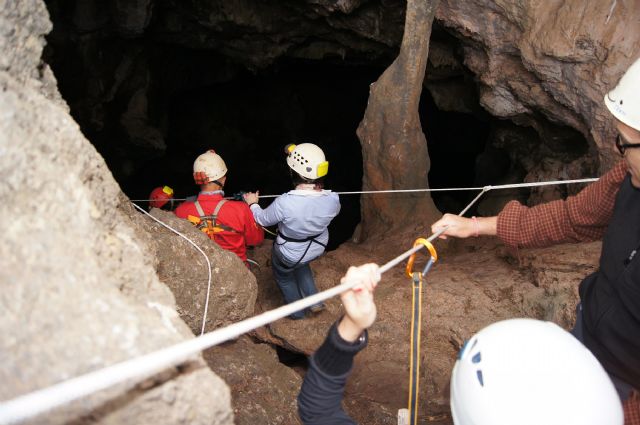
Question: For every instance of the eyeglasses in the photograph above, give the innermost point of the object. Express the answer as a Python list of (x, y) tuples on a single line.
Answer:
[(624, 146)]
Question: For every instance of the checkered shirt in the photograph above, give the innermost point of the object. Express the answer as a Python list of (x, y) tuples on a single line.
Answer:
[(580, 218)]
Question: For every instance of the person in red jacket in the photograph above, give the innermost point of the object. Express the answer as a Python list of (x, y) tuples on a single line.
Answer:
[(229, 223)]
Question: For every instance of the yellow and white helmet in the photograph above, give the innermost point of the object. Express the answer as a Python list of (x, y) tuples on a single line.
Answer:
[(307, 160), (208, 167), (624, 101)]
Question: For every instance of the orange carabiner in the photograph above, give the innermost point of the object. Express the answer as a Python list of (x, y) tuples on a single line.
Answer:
[(429, 246)]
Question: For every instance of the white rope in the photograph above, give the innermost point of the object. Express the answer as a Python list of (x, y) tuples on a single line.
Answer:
[(40, 401), (206, 303), (450, 189), (613, 6)]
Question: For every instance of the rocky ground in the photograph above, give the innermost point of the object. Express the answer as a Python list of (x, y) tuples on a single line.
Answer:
[(473, 284)]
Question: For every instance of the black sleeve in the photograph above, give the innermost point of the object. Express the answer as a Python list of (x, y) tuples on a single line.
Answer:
[(320, 399)]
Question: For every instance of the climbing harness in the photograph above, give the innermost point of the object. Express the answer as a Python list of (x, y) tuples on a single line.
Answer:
[(311, 239), (37, 402), (417, 279), (209, 223)]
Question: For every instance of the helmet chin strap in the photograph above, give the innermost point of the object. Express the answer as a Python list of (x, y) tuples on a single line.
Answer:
[(218, 183)]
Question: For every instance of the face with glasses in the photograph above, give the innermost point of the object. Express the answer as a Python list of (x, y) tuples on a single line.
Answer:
[(628, 144)]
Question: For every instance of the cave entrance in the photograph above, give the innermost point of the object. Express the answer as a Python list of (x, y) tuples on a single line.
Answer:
[(249, 120), (150, 108)]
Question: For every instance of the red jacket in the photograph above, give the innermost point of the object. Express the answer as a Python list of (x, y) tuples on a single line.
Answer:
[(235, 214)]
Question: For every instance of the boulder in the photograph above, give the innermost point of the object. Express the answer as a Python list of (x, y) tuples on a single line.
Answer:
[(264, 390), (77, 286), (183, 269)]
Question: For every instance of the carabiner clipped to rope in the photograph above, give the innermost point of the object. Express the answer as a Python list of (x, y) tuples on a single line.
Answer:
[(416, 325), (433, 259)]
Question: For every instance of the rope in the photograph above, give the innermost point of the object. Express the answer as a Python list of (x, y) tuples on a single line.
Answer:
[(417, 279), (269, 231), (206, 303), (40, 401), (414, 355), (450, 189)]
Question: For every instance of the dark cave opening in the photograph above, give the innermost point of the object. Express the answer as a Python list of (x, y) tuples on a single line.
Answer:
[(249, 120), (455, 140), (151, 107), (297, 361)]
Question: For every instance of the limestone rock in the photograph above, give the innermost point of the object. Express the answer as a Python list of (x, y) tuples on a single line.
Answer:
[(184, 270), (394, 148), (264, 391), (78, 290), (554, 58)]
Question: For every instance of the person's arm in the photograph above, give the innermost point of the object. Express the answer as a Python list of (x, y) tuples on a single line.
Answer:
[(253, 234), (462, 227), (273, 214), (580, 218), (320, 398)]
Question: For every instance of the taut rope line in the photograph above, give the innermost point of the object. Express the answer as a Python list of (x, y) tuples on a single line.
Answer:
[(451, 189)]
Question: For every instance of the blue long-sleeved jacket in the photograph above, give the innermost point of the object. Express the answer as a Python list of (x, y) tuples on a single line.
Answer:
[(300, 214)]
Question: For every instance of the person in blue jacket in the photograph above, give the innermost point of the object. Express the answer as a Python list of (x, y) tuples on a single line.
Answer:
[(303, 216)]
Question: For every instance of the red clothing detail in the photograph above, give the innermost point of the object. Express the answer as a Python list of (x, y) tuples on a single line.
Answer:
[(235, 214), (580, 218), (632, 409)]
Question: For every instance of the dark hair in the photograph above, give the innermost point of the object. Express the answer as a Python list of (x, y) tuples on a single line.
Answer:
[(297, 179)]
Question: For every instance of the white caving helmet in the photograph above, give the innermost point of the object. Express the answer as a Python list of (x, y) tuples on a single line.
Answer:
[(624, 101), (529, 372), (208, 167), (307, 160)]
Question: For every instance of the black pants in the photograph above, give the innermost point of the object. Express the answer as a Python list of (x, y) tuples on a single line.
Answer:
[(623, 389)]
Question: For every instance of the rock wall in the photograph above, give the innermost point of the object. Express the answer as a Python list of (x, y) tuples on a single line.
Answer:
[(553, 58), (77, 286)]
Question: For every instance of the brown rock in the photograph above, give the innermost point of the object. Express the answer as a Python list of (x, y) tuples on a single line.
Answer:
[(264, 390), (184, 270), (556, 58), (394, 149)]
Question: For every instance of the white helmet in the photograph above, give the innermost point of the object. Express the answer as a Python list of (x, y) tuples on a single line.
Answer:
[(208, 168), (529, 372), (624, 101), (307, 160)]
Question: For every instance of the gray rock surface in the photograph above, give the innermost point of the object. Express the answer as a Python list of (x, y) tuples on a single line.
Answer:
[(77, 287)]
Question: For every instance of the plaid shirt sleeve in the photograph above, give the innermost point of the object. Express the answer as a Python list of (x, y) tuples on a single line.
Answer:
[(579, 218), (632, 409)]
